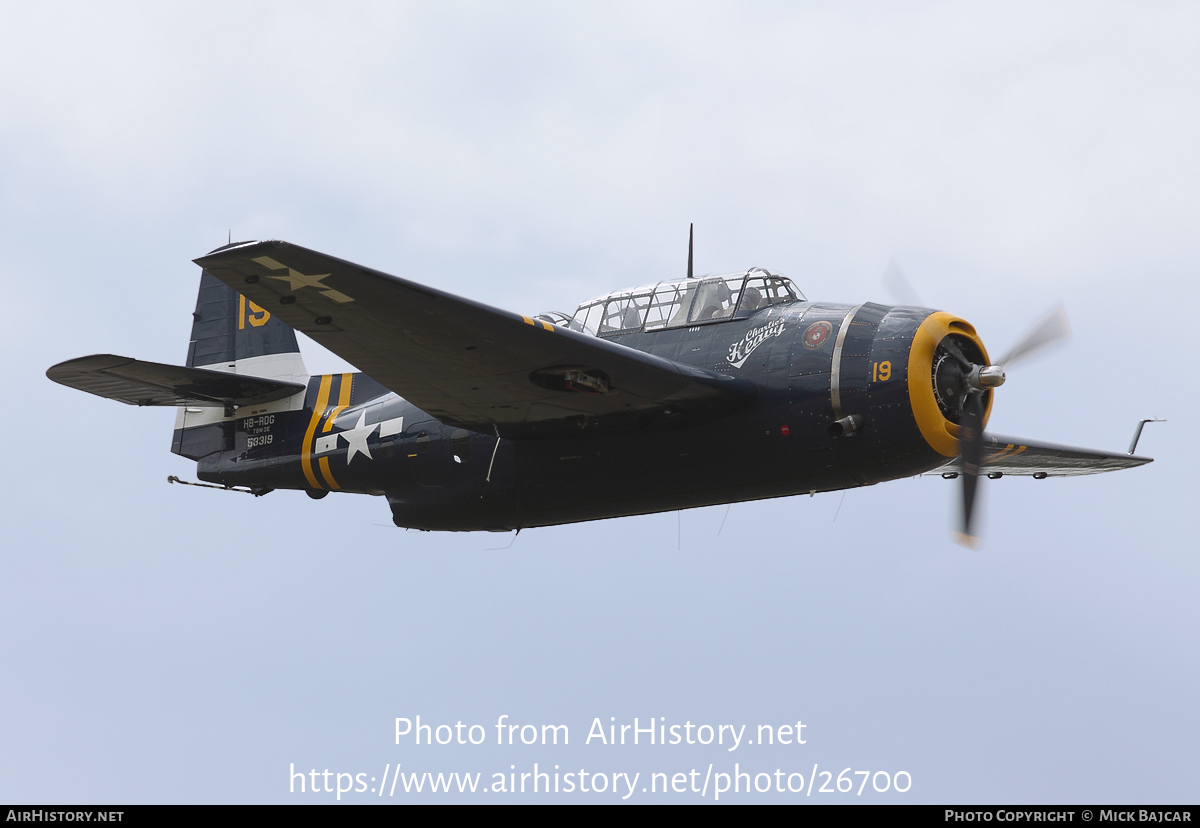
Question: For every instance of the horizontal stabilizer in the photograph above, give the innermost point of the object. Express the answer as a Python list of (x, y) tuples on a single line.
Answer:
[(1015, 456), (135, 382)]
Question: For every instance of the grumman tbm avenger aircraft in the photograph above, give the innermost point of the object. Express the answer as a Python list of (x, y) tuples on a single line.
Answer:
[(684, 393)]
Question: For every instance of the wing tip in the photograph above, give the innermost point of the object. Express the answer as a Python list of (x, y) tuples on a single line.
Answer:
[(236, 247), (232, 245), (91, 362)]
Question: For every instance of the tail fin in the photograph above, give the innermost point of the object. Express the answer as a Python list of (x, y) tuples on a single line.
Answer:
[(233, 335)]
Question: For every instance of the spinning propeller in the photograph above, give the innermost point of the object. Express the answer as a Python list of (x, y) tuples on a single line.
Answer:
[(962, 379)]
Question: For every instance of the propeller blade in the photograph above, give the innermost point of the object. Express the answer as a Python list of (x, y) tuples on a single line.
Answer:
[(970, 443), (1049, 330), (895, 283), (949, 344)]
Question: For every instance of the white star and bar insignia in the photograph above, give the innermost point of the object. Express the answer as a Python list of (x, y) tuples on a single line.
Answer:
[(356, 437)]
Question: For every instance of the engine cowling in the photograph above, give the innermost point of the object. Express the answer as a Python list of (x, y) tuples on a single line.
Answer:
[(905, 371), (937, 384)]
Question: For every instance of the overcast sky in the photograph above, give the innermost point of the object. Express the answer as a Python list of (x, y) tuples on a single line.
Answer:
[(165, 644)]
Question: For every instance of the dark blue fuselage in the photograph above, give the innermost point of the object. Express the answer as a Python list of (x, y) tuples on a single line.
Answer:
[(439, 477)]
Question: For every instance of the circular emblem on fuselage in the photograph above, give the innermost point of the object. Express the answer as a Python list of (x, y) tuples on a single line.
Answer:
[(816, 334)]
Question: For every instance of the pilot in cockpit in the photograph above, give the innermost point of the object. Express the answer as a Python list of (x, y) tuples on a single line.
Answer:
[(751, 300), (715, 301)]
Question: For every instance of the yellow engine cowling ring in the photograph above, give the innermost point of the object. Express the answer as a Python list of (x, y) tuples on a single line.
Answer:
[(939, 432)]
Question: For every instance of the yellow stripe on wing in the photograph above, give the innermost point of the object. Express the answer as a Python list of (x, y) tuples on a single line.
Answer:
[(1001, 453), (545, 325)]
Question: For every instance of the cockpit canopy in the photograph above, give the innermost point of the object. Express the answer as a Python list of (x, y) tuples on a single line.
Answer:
[(683, 302)]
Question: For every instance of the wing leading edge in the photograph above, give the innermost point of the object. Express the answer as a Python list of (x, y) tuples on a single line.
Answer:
[(1015, 456), (464, 362)]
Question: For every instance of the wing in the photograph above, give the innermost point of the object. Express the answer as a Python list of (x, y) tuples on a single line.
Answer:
[(135, 382), (464, 362), (1012, 455)]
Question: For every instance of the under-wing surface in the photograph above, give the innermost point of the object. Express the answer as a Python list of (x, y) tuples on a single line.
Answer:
[(682, 393)]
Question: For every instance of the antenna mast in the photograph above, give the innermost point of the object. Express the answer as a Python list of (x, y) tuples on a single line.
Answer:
[(691, 228)]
